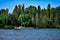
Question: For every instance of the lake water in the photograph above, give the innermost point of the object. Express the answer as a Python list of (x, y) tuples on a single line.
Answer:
[(30, 34)]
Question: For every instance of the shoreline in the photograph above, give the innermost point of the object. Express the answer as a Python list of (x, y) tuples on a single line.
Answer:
[(29, 28)]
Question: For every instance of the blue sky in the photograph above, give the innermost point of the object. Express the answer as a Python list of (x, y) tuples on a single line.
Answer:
[(10, 4)]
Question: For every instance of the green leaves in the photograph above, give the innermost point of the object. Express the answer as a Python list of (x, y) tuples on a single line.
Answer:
[(24, 19), (34, 16)]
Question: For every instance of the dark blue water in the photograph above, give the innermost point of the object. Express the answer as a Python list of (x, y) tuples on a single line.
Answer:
[(30, 34)]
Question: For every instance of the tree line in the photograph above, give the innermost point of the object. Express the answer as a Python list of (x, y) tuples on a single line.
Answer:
[(30, 17)]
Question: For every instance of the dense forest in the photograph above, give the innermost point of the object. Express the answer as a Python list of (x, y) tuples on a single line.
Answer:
[(30, 17)]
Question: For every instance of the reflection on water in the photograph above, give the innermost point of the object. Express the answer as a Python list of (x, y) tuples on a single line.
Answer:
[(30, 34)]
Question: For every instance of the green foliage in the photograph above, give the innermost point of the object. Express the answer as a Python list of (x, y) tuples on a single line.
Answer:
[(3, 20), (24, 19), (12, 19), (34, 16)]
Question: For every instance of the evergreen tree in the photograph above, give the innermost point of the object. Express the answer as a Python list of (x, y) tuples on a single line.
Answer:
[(19, 9), (23, 8), (38, 19), (15, 11), (58, 13), (49, 23)]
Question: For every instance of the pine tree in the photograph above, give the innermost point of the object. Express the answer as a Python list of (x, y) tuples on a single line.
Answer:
[(38, 16), (48, 16)]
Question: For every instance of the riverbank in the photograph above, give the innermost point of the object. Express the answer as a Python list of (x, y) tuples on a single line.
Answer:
[(29, 28), (21, 27)]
